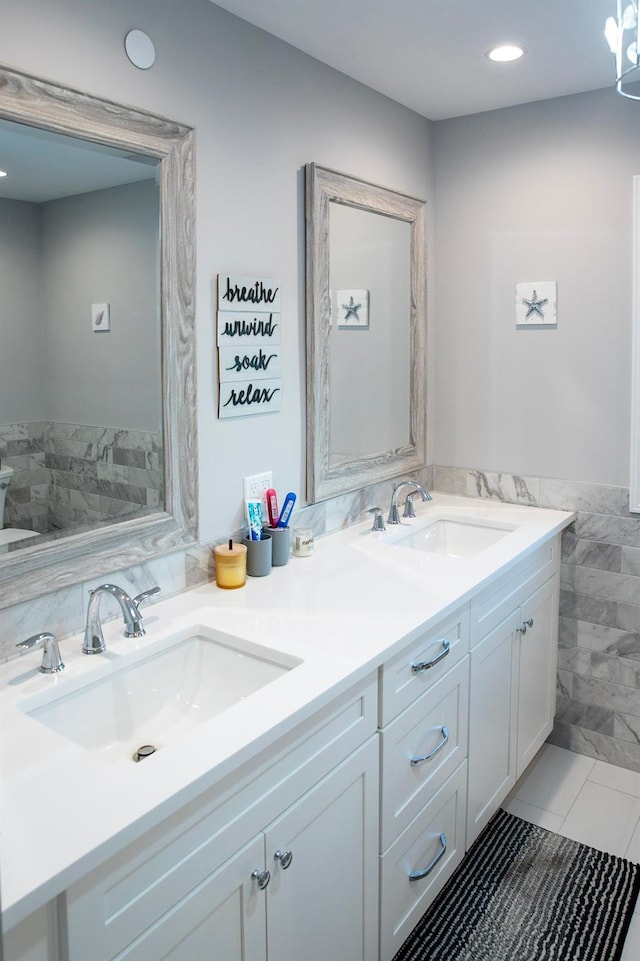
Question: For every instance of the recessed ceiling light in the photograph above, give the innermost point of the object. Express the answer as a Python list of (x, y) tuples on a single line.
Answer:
[(3, 173), (506, 52)]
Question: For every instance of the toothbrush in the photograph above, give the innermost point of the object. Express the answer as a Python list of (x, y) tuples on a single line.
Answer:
[(272, 507), (287, 507)]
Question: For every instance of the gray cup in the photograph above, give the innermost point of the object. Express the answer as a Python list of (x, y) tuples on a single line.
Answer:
[(281, 545), (258, 556)]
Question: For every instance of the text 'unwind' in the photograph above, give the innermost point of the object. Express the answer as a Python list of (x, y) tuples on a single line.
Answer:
[(249, 328)]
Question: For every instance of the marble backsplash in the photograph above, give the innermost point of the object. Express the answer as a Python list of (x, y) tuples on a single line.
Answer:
[(74, 475), (599, 639), (64, 612)]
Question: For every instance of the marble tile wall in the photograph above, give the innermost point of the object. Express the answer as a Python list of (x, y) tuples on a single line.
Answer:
[(26, 504), (100, 473), (598, 708), (70, 475)]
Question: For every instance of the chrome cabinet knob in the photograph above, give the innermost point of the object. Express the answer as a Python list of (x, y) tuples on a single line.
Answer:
[(262, 878), (284, 857)]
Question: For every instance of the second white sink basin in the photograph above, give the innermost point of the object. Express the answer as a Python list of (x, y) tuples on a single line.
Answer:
[(453, 537), (160, 695)]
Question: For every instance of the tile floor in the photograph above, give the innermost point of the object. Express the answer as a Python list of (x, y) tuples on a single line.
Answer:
[(589, 801)]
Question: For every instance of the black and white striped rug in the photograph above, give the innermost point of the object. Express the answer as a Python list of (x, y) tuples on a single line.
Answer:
[(523, 893)]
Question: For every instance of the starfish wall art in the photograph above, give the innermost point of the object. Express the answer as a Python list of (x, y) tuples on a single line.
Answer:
[(352, 308), (537, 304)]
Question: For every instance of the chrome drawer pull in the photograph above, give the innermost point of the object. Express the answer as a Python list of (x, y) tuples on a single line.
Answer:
[(262, 878), (438, 747), (284, 857), (425, 665), (418, 875)]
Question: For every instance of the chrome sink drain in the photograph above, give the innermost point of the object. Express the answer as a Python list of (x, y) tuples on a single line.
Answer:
[(145, 751)]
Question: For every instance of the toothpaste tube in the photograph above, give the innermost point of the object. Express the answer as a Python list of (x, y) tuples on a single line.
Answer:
[(254, 516)]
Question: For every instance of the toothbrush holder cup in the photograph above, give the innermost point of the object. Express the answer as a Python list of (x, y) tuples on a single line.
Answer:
[(259, 556), (281, 545)]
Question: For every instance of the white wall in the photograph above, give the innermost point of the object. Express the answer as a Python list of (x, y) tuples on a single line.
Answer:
[(56, 259), (261, 111), (539, 192), (21, 378), (372, 253), (102, 247)]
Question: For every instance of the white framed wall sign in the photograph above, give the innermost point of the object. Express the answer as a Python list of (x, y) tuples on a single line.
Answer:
[(537, 304), (248, 327), (240, 398), (248, 293), (257, 362), (248, 340), (352, 308)]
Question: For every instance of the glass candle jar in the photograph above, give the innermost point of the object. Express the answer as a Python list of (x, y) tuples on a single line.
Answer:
[(231, 565), (302, 541)]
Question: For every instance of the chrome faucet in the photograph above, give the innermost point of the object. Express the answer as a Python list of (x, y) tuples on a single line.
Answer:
[(130, 607), (393, 517)]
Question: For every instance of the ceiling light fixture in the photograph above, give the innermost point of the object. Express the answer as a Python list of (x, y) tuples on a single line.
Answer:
[(621, 32), (3, 173), (506, 53)]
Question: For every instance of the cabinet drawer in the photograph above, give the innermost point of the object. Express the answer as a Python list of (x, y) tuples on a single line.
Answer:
[(408, 675), (433, 843), (491, 607), (432, 734)]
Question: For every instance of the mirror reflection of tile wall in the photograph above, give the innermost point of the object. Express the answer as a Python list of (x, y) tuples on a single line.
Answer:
[(70, 475)]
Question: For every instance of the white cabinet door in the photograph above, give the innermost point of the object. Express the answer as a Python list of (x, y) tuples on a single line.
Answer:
[(492, 723), (538, 654), (324, 903), (512, 701), (222, 918)]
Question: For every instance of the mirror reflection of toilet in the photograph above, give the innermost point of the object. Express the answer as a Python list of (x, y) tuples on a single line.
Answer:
[(10, 534)]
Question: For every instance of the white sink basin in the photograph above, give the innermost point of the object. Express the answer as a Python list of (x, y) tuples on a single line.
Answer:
[(453, 537), (160, 694)]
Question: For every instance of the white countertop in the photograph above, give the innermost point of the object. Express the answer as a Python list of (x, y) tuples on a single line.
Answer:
[(343, 611)]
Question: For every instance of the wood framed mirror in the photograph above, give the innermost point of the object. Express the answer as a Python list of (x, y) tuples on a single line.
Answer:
[(366, 333), (62, 558)]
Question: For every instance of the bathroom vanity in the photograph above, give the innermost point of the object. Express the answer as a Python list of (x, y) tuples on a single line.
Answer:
[(319, 814)]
